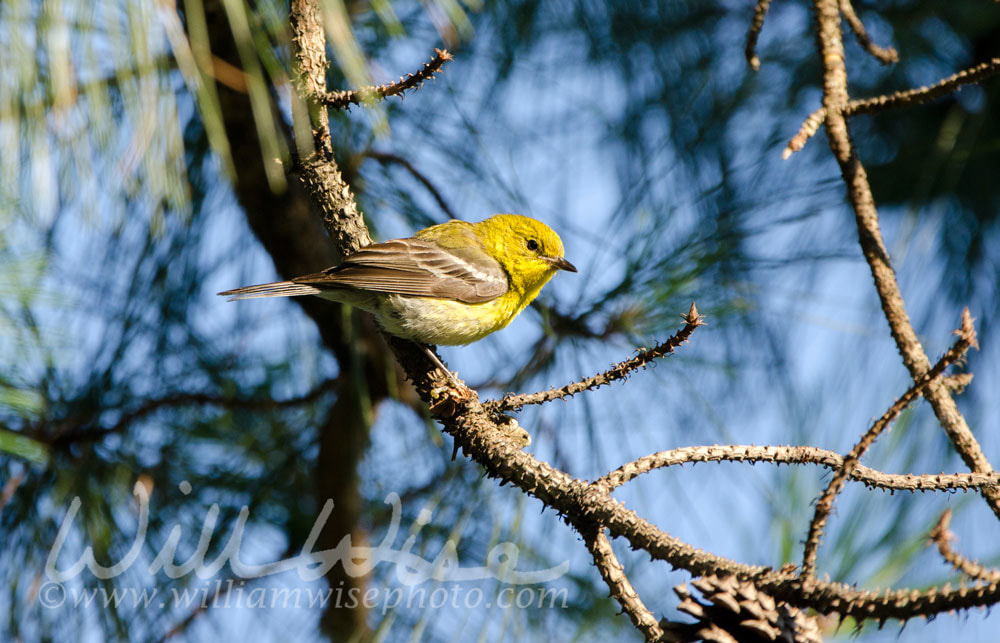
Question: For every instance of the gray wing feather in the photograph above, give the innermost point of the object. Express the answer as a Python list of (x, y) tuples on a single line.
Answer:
[(276, 289), (419, 268)]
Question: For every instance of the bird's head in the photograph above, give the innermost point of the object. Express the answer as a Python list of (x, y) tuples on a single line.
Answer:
[(530, 251)]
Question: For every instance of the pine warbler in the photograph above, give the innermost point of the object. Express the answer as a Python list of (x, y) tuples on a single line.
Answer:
[(449, 284)]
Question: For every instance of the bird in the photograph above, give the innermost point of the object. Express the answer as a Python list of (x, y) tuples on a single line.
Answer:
[(450, 284)]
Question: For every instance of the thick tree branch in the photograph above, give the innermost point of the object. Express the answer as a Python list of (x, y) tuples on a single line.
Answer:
[(339, 450), (318, 172), (309, 53), (482, 440)]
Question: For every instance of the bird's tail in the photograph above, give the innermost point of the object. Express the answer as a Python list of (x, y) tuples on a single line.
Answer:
[(276, 289)]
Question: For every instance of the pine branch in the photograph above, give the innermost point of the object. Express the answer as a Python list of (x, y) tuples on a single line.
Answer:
[(373, 94), (620, 371), (796, 455), (621, 588), (907, 98), (966, 338), (941, 537)]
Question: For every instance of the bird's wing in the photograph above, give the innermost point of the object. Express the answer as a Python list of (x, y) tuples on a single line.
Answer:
[(420, 268)]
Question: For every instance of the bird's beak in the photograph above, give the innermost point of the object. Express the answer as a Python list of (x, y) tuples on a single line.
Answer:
[(561, 263)]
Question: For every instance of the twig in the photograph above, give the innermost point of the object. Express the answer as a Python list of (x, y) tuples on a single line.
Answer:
[(372, 94), (942, 538), (905, 98), (809, 127), (795, 455), (619, 371), (885, 55), (385, 157), (621, 589), (756, 24), (967, 338), (921, 95)]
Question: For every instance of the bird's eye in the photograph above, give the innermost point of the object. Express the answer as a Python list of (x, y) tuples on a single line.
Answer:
[(532, 245)]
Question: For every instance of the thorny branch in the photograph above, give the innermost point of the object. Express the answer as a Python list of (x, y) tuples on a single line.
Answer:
[(309, 52), (483, 441), (369, 95), (464, 418), (619, 371), (614, 576), (941, 537), (318, 171), (906, 98), (967, 338), (795, 455)]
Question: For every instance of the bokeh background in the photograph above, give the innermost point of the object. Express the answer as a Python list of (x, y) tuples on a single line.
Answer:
[(136, 182)]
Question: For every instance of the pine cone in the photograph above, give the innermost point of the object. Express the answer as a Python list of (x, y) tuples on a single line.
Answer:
[(733, 611)]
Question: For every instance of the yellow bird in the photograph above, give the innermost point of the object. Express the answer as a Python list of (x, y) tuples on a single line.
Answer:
[(449, 284)]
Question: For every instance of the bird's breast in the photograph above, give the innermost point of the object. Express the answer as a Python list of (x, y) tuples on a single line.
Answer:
[(444, 321)]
